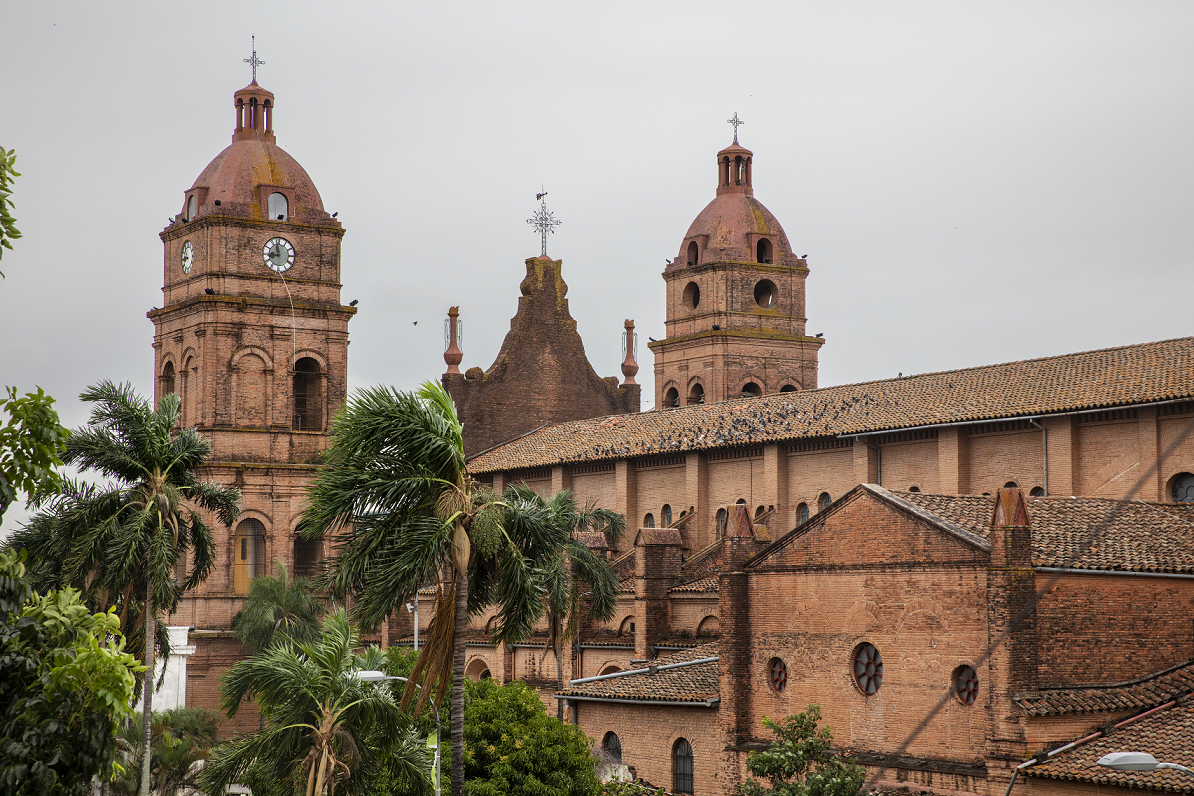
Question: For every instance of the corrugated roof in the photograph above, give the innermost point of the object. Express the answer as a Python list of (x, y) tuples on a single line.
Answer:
[(1092, 379), (1145, 692)]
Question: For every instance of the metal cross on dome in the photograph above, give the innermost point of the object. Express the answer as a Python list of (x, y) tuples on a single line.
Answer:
[(256, 62), (735, 121), (543, 221)]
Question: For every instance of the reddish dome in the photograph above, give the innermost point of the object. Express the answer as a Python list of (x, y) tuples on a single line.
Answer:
[(236, 175), (733, 222)]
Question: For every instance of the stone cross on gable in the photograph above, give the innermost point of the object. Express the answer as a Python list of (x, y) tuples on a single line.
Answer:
[(735, 121), (256, 62), (543, 221)]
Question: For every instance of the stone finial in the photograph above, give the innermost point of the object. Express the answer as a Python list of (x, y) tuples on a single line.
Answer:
[(630, 344), (453, 355)]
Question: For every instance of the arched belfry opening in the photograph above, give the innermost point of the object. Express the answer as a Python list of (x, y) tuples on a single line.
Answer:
[(763, 251), (308, 396)]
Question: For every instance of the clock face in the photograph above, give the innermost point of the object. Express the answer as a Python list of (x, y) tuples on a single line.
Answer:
[(188, 257), (278, 254)]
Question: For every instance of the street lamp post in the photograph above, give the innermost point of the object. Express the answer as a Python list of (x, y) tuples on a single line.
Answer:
[(1138, 761), (373, 676)]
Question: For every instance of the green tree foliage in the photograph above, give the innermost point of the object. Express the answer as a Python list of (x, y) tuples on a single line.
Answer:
[(8, 228), (278, 603), (180, 738), (66, 684), (325, 729), (120, 544), (396, 498), (512, 747), (565, 569), (30, 444), (799, 762)]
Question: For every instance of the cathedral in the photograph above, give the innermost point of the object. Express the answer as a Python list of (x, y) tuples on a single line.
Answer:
[(982, 576)]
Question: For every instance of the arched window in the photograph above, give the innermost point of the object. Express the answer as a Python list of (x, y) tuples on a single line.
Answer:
[(763, 250), (759, 512), (1011, 485), (721, 523), (649, 521), (788, 388), (485, 675), (248, 554), (824, 501), (611, 669), (192, 207), (672, 398), (307, 556), (913, 488), (627, 627), (802, 513), (665, 515), (307, 399), (682, 767), (279, 208), (612, 747), (694, 253), (696, 395), (168, 379), (1036, 491), (751, 390), (1183, 488)]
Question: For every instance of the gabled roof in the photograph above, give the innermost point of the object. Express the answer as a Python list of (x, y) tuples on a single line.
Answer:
[(1167, 734), (698, 683), (1142, 693), (1088, 380)]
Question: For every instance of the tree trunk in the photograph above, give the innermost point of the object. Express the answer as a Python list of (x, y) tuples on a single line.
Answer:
[(559, 677), (458, 657), (147, 714)]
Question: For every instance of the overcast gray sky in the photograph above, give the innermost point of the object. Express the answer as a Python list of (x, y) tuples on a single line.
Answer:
[(973, 183)]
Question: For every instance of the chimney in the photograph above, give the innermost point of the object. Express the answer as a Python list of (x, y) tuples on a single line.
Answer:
[(656, 569)]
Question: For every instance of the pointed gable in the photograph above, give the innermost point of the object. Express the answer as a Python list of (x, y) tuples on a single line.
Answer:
[(870, 526)]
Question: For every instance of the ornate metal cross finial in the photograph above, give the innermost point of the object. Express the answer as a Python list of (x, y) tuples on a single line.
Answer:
[(256, 62), (735, 121), (543, 221)]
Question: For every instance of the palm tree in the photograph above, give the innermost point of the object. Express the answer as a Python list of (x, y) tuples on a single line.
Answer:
[(120, 543), (573, 565), (395, 494), (278, 604), (324, 726)]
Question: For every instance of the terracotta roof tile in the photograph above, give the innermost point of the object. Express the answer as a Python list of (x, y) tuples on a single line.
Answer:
[(707, 584), (696, 683), (1168, 735), (1109, 377), (1143, 693), (1141, 537)]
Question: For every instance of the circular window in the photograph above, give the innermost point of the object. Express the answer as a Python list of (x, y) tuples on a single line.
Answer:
[(868, 669), (778, 671), (692, 295), (1183, 488), (766, 294), (966, 684)]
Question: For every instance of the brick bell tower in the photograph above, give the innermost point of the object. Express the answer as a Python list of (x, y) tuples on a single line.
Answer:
[(253, 337), (735, 301)]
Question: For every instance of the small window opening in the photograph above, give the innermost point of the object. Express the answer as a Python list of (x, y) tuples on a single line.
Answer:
[(763, 250), (751, 390), (778, 672), (485, 675), (168, 379), (721, 523), (760, 511), (649, 521), (683, 765), (192, 208), (694, 253), (307, 557), (914, 488), (613, 748), (307, 399), (278, 206), (1011, 485), (1036, 491), (740, 502), (1183, 488), (788, 388), (766, 294), (824, 501), (966, 684), (627, 627), (696, 395), (665, 515), (868, 669), (802, 513), (692, 295), (672, 398)]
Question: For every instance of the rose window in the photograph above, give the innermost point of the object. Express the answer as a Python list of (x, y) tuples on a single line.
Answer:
[(868, 669), (966, 684), (779, 674)]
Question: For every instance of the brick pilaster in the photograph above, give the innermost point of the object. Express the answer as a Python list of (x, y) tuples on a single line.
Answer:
[(698, 532), (656, 569), (775, 480), (953, 461)]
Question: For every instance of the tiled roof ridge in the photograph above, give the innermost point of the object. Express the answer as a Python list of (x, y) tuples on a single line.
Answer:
[(688, 683), (1125, 695)]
